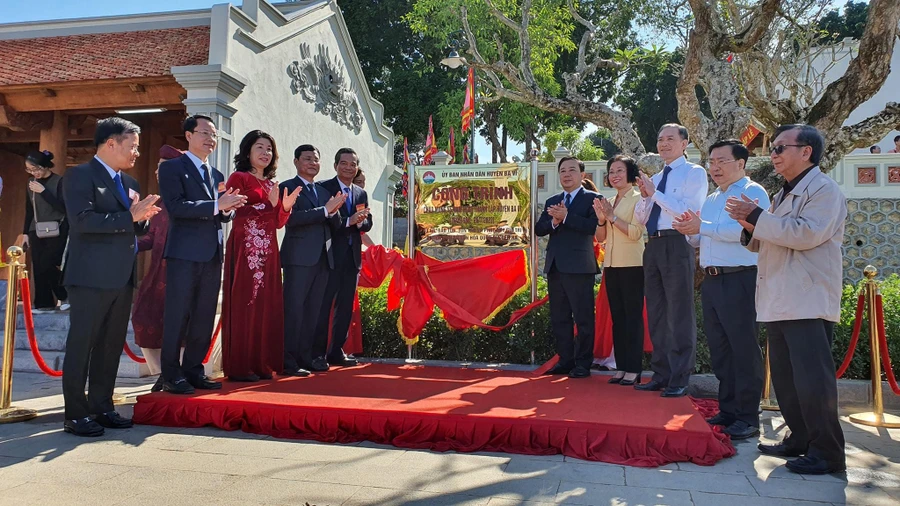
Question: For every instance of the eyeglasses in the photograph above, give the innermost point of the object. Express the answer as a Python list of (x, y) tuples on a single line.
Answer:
[(777, 150), (204, 133), (718, 162)]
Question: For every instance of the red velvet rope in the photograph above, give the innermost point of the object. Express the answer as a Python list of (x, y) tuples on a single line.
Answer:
[(132, 356), (882, 343), (29, 329), (854, 338), (212, 342)]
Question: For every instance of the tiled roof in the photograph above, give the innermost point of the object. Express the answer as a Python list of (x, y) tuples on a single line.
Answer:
[(102, 56)]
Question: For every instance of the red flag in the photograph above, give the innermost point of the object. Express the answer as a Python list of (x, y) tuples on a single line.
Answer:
[(405, 155), (430, 146), (466, 155), (452, 148), (468, 110)]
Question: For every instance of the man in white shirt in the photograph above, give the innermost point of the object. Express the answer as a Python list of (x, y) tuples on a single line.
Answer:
[(729, 289), (669, 262)]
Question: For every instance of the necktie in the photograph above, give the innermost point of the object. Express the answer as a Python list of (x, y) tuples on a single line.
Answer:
[(312, 190), (568, 199), (653, 220), (122, 192), (349, 202), (205, 170)]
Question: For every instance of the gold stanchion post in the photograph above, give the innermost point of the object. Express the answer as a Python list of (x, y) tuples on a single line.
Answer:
[(9, 413), (877, 417), (768, 403)]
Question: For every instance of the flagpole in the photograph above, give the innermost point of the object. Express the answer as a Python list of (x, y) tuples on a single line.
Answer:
[(472, 129)]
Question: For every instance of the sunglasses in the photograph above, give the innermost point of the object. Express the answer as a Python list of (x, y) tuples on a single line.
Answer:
[(777, 150)]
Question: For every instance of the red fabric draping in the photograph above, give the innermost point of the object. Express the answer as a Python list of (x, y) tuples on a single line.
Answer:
[(603, 336)]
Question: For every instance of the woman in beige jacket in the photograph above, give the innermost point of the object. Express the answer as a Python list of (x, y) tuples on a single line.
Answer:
[(623, 267)]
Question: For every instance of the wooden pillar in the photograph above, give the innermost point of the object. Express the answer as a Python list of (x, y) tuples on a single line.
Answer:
[(54, 139)]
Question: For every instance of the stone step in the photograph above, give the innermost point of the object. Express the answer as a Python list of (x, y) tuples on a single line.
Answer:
[(52, 340), (23, 361)]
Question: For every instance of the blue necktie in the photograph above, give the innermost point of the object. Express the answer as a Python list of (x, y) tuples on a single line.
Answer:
[(653, 221), (349, 202), (205, 170), (124, 194), (568, 199)]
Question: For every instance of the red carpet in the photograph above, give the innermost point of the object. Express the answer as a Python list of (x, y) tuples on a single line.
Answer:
[(456, 409)]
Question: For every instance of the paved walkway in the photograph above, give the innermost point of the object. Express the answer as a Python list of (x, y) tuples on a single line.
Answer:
[(39, 464)]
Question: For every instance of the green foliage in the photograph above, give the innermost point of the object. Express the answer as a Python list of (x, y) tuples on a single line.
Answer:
[(438, 342), (851, 23), (648, 91), (570, 138)]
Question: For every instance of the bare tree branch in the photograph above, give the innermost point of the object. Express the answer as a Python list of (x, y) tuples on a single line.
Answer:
[(862, 134), (866, 74)]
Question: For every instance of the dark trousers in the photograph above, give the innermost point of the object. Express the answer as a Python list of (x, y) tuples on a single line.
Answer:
[(98, 322), (192, 295), (304, 292), (46, 257), (625, 292), (729, 321), (803, 377), (669, 285), (572, 298), (339, 294)]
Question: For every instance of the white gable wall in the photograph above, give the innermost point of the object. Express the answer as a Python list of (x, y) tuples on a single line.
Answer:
[(262, 54)]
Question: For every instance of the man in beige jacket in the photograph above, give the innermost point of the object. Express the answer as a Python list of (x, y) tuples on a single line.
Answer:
[(798, 296)]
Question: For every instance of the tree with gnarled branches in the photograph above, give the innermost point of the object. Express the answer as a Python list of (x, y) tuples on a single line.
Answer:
[(738, 57)]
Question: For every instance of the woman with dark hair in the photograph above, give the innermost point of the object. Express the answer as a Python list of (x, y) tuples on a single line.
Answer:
[(149, 302), (622, 267), (46, 231), (253, 305)]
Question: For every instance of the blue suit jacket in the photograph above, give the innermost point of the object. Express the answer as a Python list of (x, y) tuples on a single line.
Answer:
[(194, 226)]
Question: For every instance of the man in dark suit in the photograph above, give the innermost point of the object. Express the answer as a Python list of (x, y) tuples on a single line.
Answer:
[(106, 214), (570, 265), (307, 258), (342, 282), (197, 203)]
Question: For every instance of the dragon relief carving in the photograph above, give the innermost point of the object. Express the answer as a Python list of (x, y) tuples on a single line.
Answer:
[(321, 80)]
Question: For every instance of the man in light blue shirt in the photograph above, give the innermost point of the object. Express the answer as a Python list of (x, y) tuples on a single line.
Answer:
[(729, 289)]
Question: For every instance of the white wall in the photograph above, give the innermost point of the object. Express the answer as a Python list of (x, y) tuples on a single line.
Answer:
[(262, 54)]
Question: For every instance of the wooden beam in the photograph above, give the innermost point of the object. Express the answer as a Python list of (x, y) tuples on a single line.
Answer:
[(24, 121), (104, 97), (47, 92), (54, 138), (8, 137)]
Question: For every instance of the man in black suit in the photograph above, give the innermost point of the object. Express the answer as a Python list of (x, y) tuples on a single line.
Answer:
[(106, 214), (195, 198), (306, 257), (570, 266), (342, 282)]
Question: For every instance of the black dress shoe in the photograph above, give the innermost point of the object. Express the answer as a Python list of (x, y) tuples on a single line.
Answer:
[(265, 376), (580, 372), (615, 380), (558, 369), (721, 419), (158, 386), (781, 450), (343, 361), (179, 386), (204, 383), (651, 386), (319, 365), (627, 382), (84, 427), (814, 465), (113, 420), (301, 373), (250, 378), (674, 392), (741, 430)]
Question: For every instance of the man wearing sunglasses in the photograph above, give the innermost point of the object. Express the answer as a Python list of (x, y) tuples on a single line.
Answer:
[(798, 296)]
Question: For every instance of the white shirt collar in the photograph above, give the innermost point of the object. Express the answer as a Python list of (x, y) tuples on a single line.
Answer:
[(343, 185), (197, 161), (305, 182), (678, 162), (112, 173), (573, 193)]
